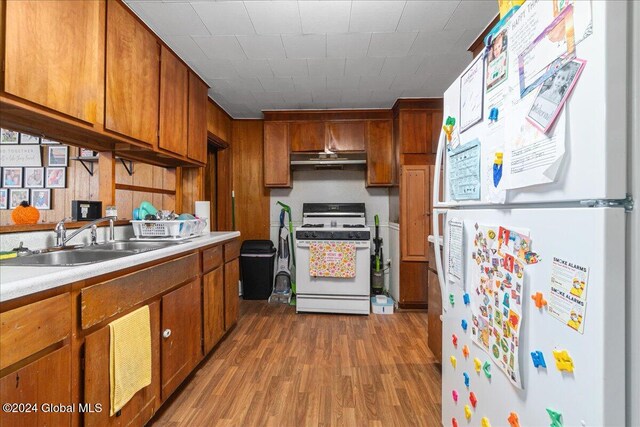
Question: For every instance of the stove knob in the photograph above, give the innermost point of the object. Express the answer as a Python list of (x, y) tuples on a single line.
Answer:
[(352, 235), (313, 234)]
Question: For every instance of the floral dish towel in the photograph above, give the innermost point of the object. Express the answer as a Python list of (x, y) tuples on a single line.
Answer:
[(332, 259)]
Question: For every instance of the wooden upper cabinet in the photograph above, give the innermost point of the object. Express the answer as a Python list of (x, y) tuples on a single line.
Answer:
[(132, 76), (416, 131), (54, 55), (307, 136), (277, 172), (414, 212), (197, 130), (218, 122), (436, 127), (173, 103), (345, 136), (380, 153)]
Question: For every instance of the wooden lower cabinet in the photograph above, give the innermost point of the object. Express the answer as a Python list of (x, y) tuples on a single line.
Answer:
[(213, 307), (231, 298), (34, 383), (181, 335), (413, 284), (143, 404)]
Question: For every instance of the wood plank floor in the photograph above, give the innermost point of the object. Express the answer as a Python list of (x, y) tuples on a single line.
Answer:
[(281, 369)]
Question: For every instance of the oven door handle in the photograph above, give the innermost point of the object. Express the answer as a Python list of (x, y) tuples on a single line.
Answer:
[(305, 244)]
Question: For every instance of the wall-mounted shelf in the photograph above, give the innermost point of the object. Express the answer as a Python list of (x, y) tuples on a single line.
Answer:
[(88, 162)]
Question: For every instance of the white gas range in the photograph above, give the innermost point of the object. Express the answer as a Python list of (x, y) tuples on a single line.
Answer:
[(333, 223)]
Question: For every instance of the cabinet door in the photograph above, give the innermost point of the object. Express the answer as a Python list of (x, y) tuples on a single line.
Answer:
[(380, 155), (181, 335), (415, 132), (97, 385), (173, 103), (306, 136), (231, 298), (413, 284), (345, 136), (434, 324), (197, 130), (132, 76), (213, 302), (436, 125), (414, 212), (277, 171), (54, 55), (34, 383)]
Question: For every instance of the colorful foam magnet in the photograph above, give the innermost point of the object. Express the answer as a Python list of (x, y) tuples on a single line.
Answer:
[(454, 394), (556, 418), (448, 127), (466, 378), (564, 362), (466, 299), (513, 420), (473, 399), (464, 324), (453, 360), (467, 412), (454, 422), (539, 300), (538, 359), (478, 364), (486, 368), (465, 351), (497, 168), (454, 340), (493, 114), (485, 422), (452, 300)]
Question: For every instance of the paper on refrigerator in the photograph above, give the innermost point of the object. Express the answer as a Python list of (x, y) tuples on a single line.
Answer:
[(464, 171), (568, 293), (455, 257)]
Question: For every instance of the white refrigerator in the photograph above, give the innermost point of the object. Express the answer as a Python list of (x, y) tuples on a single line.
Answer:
[(500, 320)]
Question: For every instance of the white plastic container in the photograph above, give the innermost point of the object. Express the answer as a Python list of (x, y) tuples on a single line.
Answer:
[(176, 229), (382, 308)]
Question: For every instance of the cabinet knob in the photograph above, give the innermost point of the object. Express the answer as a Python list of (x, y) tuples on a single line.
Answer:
[(166, 333)]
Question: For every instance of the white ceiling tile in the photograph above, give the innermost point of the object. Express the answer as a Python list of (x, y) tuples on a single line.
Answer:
[(310, 82), (214, 69), (430, 15), (297, 97), (375, 16), (473, 14), (274, 17), (320, 17), (408, 82), (248, 84), (220, 47), (343, 82), (224, 17), (277, 84), (436, 42), (451, 64), (326, 96), (326, 66), (252, 68), (305, 46), (262, 47), (403, 66), (363, 66), (369, 83), (390, 44), (185, 47), (384, 97), (468, 37), (350, 45), (173, 19), (268, 98), (289, 67)]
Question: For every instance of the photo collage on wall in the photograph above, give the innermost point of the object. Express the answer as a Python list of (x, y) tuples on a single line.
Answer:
[(23, 176), (500, 255)]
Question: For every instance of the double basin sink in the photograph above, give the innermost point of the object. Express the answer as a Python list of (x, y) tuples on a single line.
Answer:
[(79, 255)]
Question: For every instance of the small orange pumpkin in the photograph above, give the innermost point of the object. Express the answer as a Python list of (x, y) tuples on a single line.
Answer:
[(25, 214)]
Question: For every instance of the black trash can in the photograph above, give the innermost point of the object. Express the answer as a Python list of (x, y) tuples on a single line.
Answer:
[(257, 262)]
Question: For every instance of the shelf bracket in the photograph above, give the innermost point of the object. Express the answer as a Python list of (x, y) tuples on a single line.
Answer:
[(87, 165), (128, 165)]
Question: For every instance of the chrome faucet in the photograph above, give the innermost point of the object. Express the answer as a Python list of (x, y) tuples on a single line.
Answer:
[(61, 231)]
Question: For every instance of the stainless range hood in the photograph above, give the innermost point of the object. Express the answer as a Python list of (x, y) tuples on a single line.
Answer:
[(324, 160)]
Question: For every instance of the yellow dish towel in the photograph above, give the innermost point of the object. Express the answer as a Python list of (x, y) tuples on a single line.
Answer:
[(130, 356)]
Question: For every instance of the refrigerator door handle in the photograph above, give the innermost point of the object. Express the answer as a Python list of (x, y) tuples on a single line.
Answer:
[(436, 202), (436, 249)]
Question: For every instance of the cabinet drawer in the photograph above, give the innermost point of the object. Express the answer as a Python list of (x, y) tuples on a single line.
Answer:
[(104, 300), (211, 258), (231, 250), (27, 330)]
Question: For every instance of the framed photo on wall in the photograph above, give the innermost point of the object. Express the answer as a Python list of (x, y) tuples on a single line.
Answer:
[(56, 177), (46, 141), (8, 136), (17, 196), (57, 155), (85, 152), (34, 177), (25, 138), (4, 198), (12, 177), (41, 198)]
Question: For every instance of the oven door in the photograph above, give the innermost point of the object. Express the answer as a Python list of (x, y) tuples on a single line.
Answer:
[(357, 286)]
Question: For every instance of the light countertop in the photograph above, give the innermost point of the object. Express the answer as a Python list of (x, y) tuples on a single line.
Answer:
[(18, 281)]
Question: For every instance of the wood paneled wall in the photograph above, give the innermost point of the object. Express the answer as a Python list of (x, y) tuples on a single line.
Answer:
[(252, 198), (149, 176)]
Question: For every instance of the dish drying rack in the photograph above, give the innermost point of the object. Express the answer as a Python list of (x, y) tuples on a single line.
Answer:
[(167, 229)]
